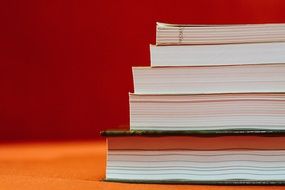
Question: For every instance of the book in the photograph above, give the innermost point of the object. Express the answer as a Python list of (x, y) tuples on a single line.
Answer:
[(209, 79), (186, 34), (220, 159), (226, 111), (222, 54)]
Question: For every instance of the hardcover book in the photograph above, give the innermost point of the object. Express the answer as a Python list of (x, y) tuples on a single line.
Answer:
[(217, 158)]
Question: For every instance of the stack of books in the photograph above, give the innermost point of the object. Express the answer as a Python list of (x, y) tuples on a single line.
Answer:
[(209, 110)]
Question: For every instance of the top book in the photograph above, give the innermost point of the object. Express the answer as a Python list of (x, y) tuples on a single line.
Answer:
[(182, 34)]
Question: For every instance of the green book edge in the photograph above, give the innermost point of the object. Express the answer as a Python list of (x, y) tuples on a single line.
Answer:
[(157, 133), (197, 182)]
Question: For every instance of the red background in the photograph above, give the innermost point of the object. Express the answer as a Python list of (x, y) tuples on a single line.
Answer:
[(65, 65)]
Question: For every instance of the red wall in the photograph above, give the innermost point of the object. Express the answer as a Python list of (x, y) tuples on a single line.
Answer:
[(65, 66)]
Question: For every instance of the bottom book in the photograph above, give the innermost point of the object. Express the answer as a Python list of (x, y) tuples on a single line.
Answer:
[(233, 157)]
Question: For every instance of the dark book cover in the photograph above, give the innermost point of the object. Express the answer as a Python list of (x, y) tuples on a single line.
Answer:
[(157, 133), (210, 182)]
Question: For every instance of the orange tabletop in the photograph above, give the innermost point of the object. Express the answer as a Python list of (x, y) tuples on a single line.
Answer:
[(70, 165)]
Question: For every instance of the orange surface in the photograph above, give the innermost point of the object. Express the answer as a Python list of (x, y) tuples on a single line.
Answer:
[(69, 165)]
